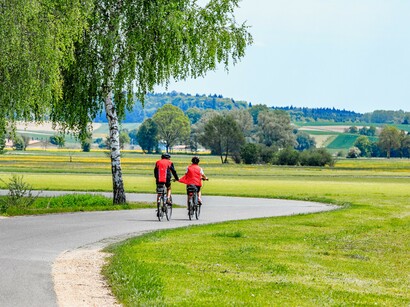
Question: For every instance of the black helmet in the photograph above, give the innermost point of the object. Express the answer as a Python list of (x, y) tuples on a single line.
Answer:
[(195, 160), (166, 156)]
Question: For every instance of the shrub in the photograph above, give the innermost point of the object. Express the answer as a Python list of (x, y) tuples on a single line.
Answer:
[(353, 153), (86, 145), (250, 153), (19, 196), (316, 157), (267, 154), (18, 143), (58, 139), (288, 156)]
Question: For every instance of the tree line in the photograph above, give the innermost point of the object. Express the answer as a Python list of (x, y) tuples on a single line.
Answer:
[(254, 135), (391, 142), (153, 101)]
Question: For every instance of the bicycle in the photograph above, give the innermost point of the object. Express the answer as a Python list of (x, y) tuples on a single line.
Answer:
[(194, 206), (162, 207)]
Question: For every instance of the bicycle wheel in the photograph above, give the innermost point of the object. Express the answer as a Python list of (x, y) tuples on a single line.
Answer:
[(168, 211), (160, 205), (198, 211), (190, 208)]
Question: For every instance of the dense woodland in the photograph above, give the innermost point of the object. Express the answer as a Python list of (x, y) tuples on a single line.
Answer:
[(218, 103)]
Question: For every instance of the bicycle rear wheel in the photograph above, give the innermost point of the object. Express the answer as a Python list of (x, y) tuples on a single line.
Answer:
[(160, 205), (190, 208)]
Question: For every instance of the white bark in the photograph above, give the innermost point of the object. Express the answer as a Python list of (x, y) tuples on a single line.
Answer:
[(117, 182)]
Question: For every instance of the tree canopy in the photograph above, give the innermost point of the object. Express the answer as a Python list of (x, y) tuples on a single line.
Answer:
[(130, 46), (389, 139), (223, 136), (147, 136), (173, 125), (275, 129), (36, 41)]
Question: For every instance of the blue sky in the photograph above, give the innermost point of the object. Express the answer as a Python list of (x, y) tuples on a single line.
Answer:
[(347, 54)]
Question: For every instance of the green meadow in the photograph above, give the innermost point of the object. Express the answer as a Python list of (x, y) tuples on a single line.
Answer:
[(358, 255)]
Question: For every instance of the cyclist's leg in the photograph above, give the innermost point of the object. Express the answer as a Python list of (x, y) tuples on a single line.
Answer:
[(168, 185), (188, 198), (199, 195)]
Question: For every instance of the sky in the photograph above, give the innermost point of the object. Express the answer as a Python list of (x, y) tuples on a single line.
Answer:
[(346, 54)]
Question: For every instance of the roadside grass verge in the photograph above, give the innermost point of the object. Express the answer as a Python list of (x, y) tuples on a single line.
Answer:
[(355, 256), (72, 203)]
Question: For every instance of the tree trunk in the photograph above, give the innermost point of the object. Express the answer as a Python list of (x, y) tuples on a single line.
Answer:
[(226, 151), (117, 182)]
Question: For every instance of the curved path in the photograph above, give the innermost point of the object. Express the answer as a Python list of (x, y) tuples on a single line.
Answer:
[(30, 244)]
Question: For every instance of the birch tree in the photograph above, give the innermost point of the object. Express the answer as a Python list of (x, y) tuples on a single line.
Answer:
[(131, 45), (36, 41)]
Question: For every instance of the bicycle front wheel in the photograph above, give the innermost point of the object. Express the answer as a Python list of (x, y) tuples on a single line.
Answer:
[(198, 211), (168, 211), (168, 208)]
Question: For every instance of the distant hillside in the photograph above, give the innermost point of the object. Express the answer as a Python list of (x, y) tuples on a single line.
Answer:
[(184, 101), (219, 103), (321, 114)]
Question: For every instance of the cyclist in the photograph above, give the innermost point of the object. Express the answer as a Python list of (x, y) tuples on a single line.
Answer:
[(194, 175), (162, 172)]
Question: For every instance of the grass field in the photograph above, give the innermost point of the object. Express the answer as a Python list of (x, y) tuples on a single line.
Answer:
[(356, 256), (343, 141)]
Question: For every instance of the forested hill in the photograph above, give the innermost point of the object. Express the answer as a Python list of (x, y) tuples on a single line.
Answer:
[(220, 103), (182, 101), (321, 114)]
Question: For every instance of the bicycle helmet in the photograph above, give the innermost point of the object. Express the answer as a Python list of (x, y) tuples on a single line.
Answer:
[(166, 156), (195, 160)]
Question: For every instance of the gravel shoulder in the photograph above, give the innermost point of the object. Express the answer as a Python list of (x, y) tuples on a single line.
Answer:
[(78, 280)]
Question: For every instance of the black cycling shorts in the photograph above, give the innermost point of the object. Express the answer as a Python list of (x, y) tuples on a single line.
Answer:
[(167, 184), (198, 188)]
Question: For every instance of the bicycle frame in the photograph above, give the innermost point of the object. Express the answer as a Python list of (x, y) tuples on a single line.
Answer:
[(193, 206), (162, 206)]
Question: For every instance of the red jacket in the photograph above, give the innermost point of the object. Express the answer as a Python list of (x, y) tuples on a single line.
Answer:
[(192, 176), (163, 169)]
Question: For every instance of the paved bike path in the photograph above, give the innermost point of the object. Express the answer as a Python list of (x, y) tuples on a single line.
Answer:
[(30, 244)]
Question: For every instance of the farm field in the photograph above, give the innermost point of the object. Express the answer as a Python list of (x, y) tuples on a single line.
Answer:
[(41, 133), (326, 134), (358, 255), (52, 170)]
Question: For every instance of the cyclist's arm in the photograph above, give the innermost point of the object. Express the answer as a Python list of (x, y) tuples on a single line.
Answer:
[(203, 176), (174, 172), (156, 172)]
